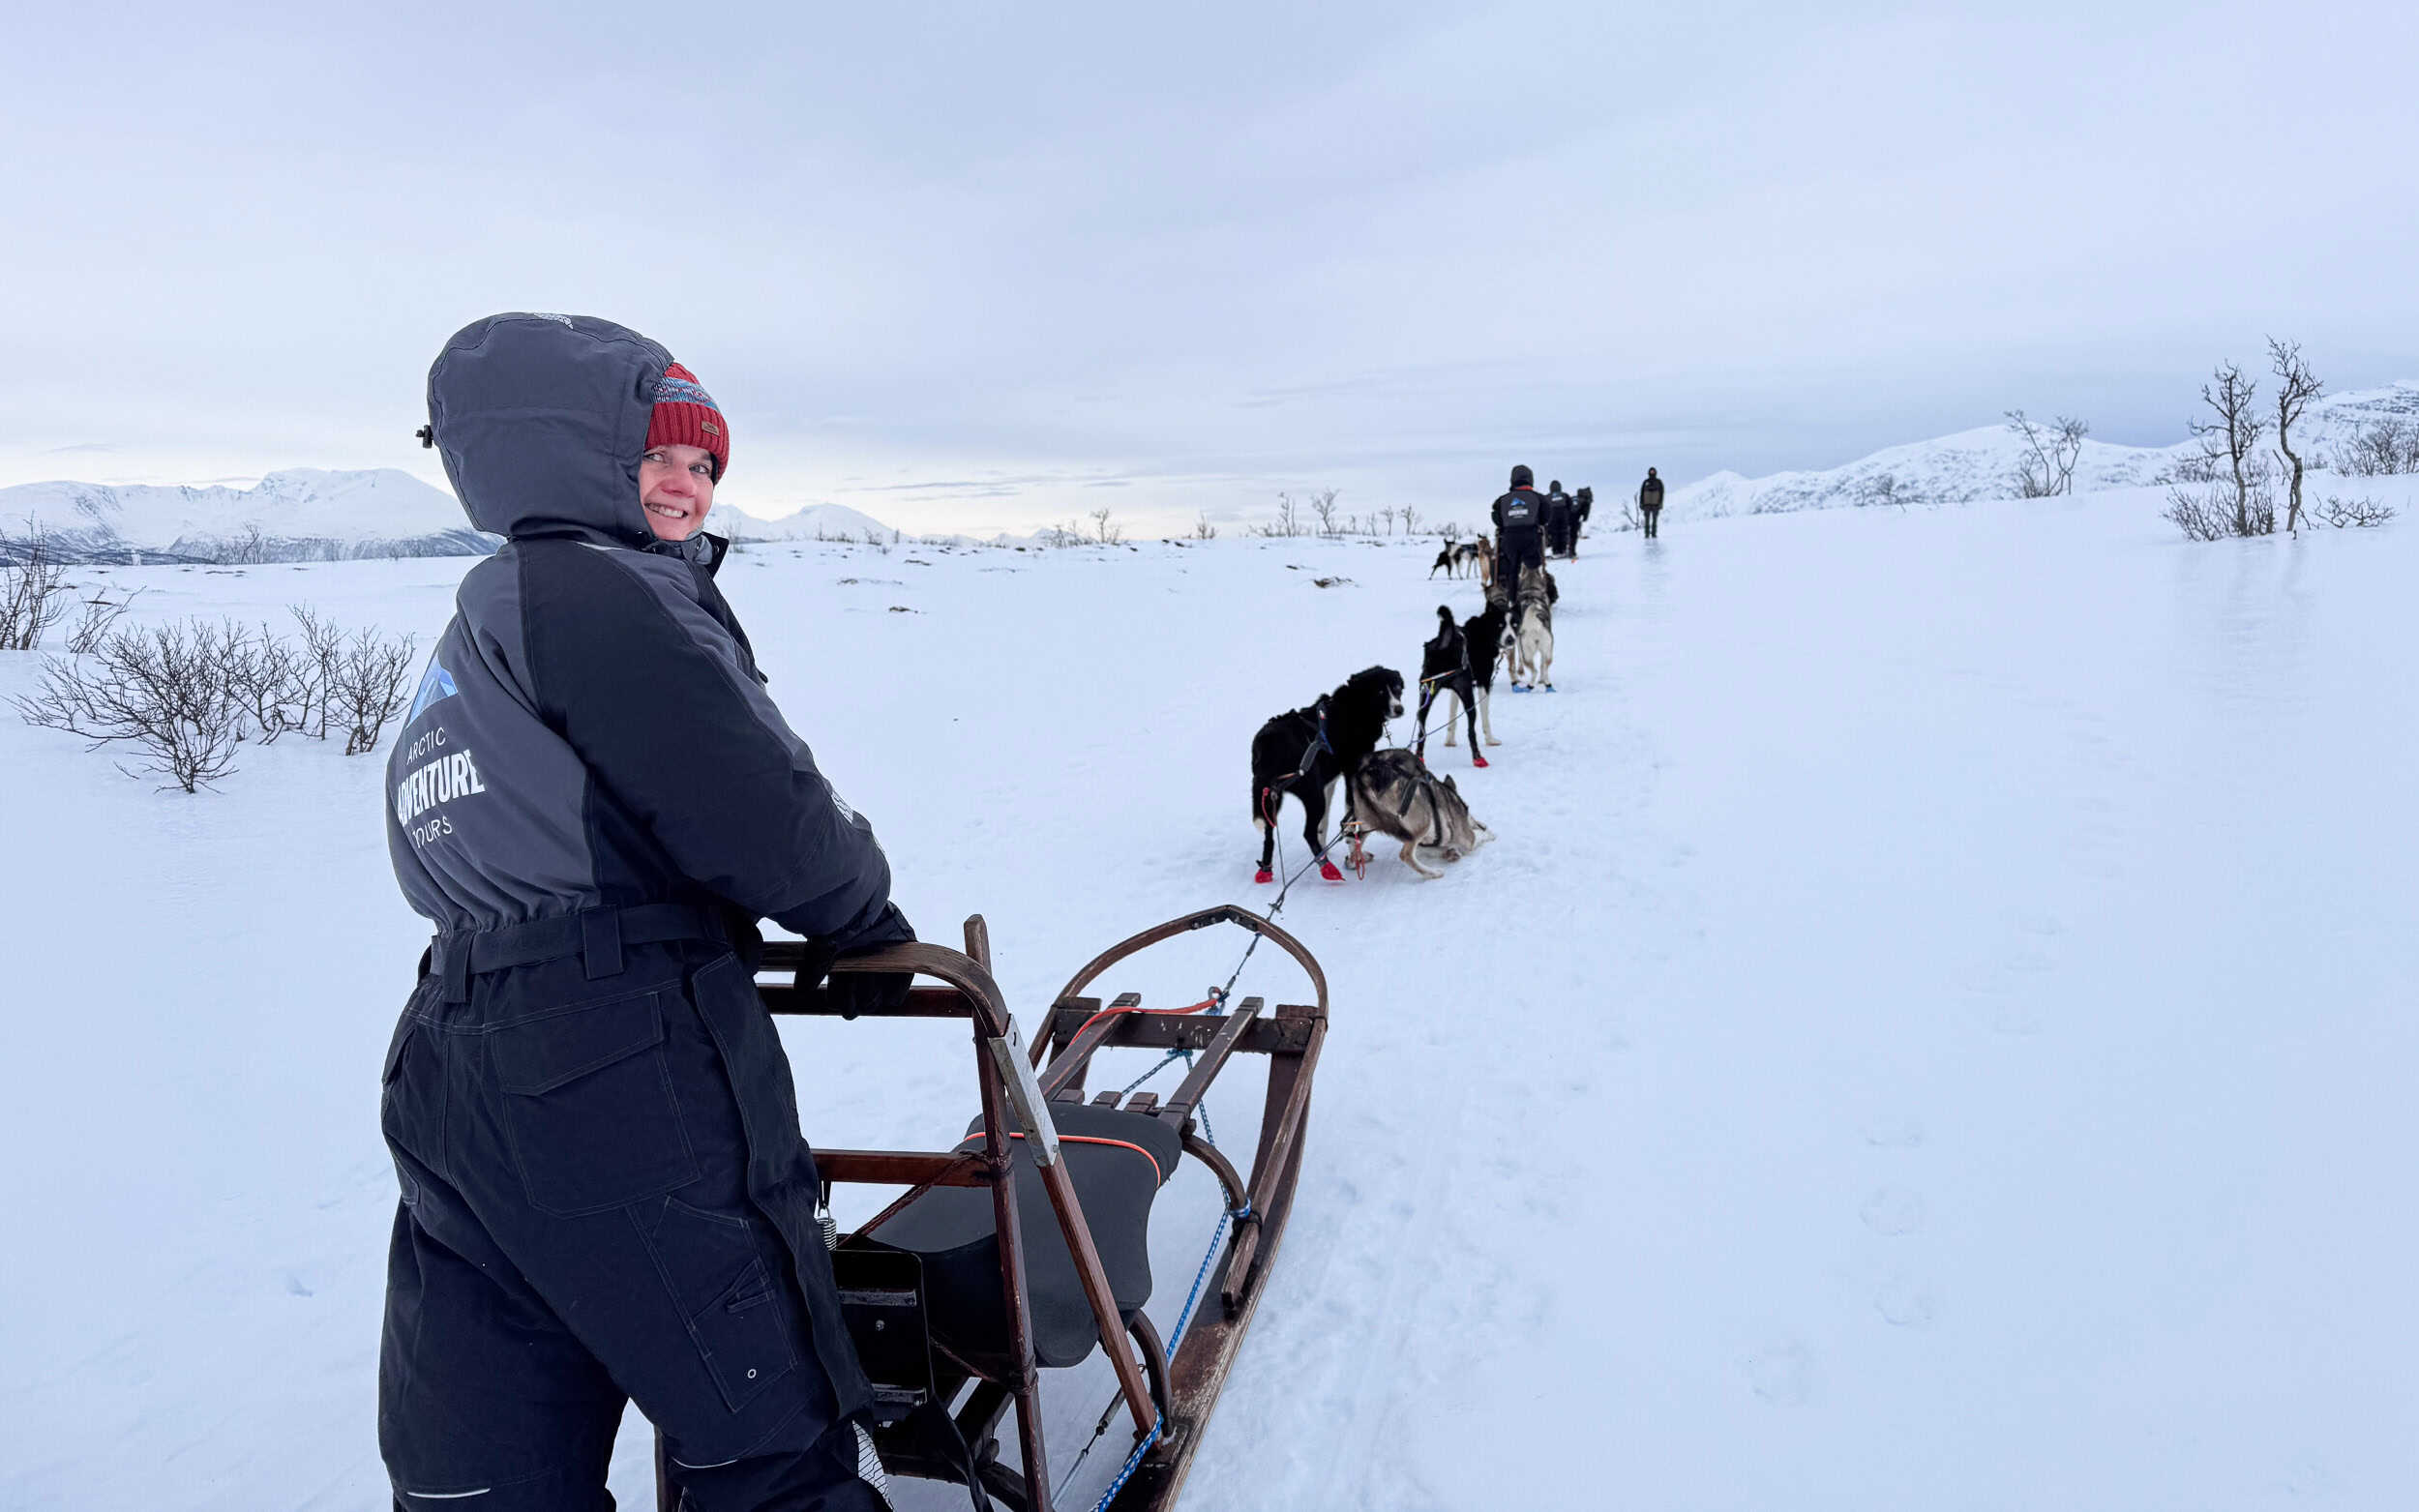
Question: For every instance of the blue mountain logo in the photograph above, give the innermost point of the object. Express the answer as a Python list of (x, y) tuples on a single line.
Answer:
[(435, 683)]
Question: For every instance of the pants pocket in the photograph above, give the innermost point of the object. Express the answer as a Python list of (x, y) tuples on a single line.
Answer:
[(729, 1290), (588, 1105)]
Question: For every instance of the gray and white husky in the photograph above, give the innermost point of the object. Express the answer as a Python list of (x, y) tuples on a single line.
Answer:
[(1532, 630), (1393, 793)]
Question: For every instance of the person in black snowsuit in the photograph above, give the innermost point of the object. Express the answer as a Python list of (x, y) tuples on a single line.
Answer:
[(1558, 519), (605, 1193), (1651, 503), (1582, 505), (1519, 515)]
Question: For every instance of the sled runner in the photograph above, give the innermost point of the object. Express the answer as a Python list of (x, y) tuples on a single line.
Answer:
[(1026, 1246)]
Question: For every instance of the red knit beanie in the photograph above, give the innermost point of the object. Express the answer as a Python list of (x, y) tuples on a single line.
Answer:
[(686, 415)]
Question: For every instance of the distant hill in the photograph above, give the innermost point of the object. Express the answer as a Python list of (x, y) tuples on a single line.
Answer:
[(309, 514), (815, 523), (303, 515), (1982, 464)]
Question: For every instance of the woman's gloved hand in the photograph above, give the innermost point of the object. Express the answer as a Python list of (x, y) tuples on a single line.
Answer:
[(852, 992)]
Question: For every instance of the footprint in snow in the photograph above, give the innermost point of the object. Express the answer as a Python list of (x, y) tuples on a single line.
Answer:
[(1904, 1304), (1894, 1210), (1894, 1134), (1781, 1373)]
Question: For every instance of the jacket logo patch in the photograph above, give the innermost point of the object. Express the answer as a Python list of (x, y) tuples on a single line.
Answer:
[(441, 781), (435, 683)]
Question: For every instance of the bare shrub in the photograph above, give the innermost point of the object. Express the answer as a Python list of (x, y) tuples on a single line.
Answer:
[(32, 591), (1411, 520), (2380, 449), (2352, 514), (2199, 512), (367, 689), (1289, 523), (1203, 529), (2046, 468), (2295, 387), (314, 671), (280, 685), (101, 616), (164, 689), (1104, 530)]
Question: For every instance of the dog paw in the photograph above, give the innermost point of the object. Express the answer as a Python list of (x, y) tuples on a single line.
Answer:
[(1326, 871), (1476, 759), (1263, 876)]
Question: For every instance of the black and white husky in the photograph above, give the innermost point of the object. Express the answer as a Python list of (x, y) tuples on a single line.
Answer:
[(1395, 794), (1457, 673), (1307, 751), (1532, 630)]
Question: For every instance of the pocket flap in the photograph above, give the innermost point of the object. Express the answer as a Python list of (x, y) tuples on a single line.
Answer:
[(541, 1055)]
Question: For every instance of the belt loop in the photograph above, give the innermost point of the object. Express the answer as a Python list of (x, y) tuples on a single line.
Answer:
[(600, 942), (453, 958)]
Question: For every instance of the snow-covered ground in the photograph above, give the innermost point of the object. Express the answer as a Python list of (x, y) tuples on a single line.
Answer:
[(1934, 1032)]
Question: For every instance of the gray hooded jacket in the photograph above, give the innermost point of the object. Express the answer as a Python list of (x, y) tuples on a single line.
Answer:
[(591, 731)]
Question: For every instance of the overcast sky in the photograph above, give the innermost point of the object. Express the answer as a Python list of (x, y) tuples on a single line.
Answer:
[(976, 266)]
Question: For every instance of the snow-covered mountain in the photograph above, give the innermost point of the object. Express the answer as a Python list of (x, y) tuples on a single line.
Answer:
[(815, 523), (310, 515), (302, 514), (1982, 464)]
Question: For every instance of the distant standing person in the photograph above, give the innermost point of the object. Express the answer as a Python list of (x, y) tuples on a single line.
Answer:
[(1558, 519), (1519, 528), (1651, 503)]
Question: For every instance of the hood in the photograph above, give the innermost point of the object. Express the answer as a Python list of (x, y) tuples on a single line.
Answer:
[(540, 420)]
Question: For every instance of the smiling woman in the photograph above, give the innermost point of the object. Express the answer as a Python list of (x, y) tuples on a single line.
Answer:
[(676, 485), (688, 445)]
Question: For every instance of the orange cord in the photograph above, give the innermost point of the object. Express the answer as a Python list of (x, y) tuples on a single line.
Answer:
[(1089, 1138)]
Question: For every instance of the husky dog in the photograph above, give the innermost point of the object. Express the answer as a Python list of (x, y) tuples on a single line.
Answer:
[(1472, 557), (1457, 675), (1445, 675), (1395, 794), (1448, 561), (1532, 630), (1485, 636), (1309, 750)]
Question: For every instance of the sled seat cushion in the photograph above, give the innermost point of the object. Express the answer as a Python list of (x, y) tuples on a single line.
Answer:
[(1117, 1162)]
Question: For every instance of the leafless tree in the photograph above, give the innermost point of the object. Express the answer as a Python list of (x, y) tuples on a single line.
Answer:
[(1387, 515), (2295, 387), (368, 689), (1322, 505), (2235, 500), (1203, 529), (1288, 516), (1411, 520), (164, 689), (2050, 450), (1106, 533), (34, 592), (252, 549)]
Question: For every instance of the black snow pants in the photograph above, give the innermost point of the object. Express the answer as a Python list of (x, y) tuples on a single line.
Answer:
[(1654, 521), (1515, 549), (605, 1198)]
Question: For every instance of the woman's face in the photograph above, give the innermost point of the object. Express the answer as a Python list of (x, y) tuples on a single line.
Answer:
[(676, 487)]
